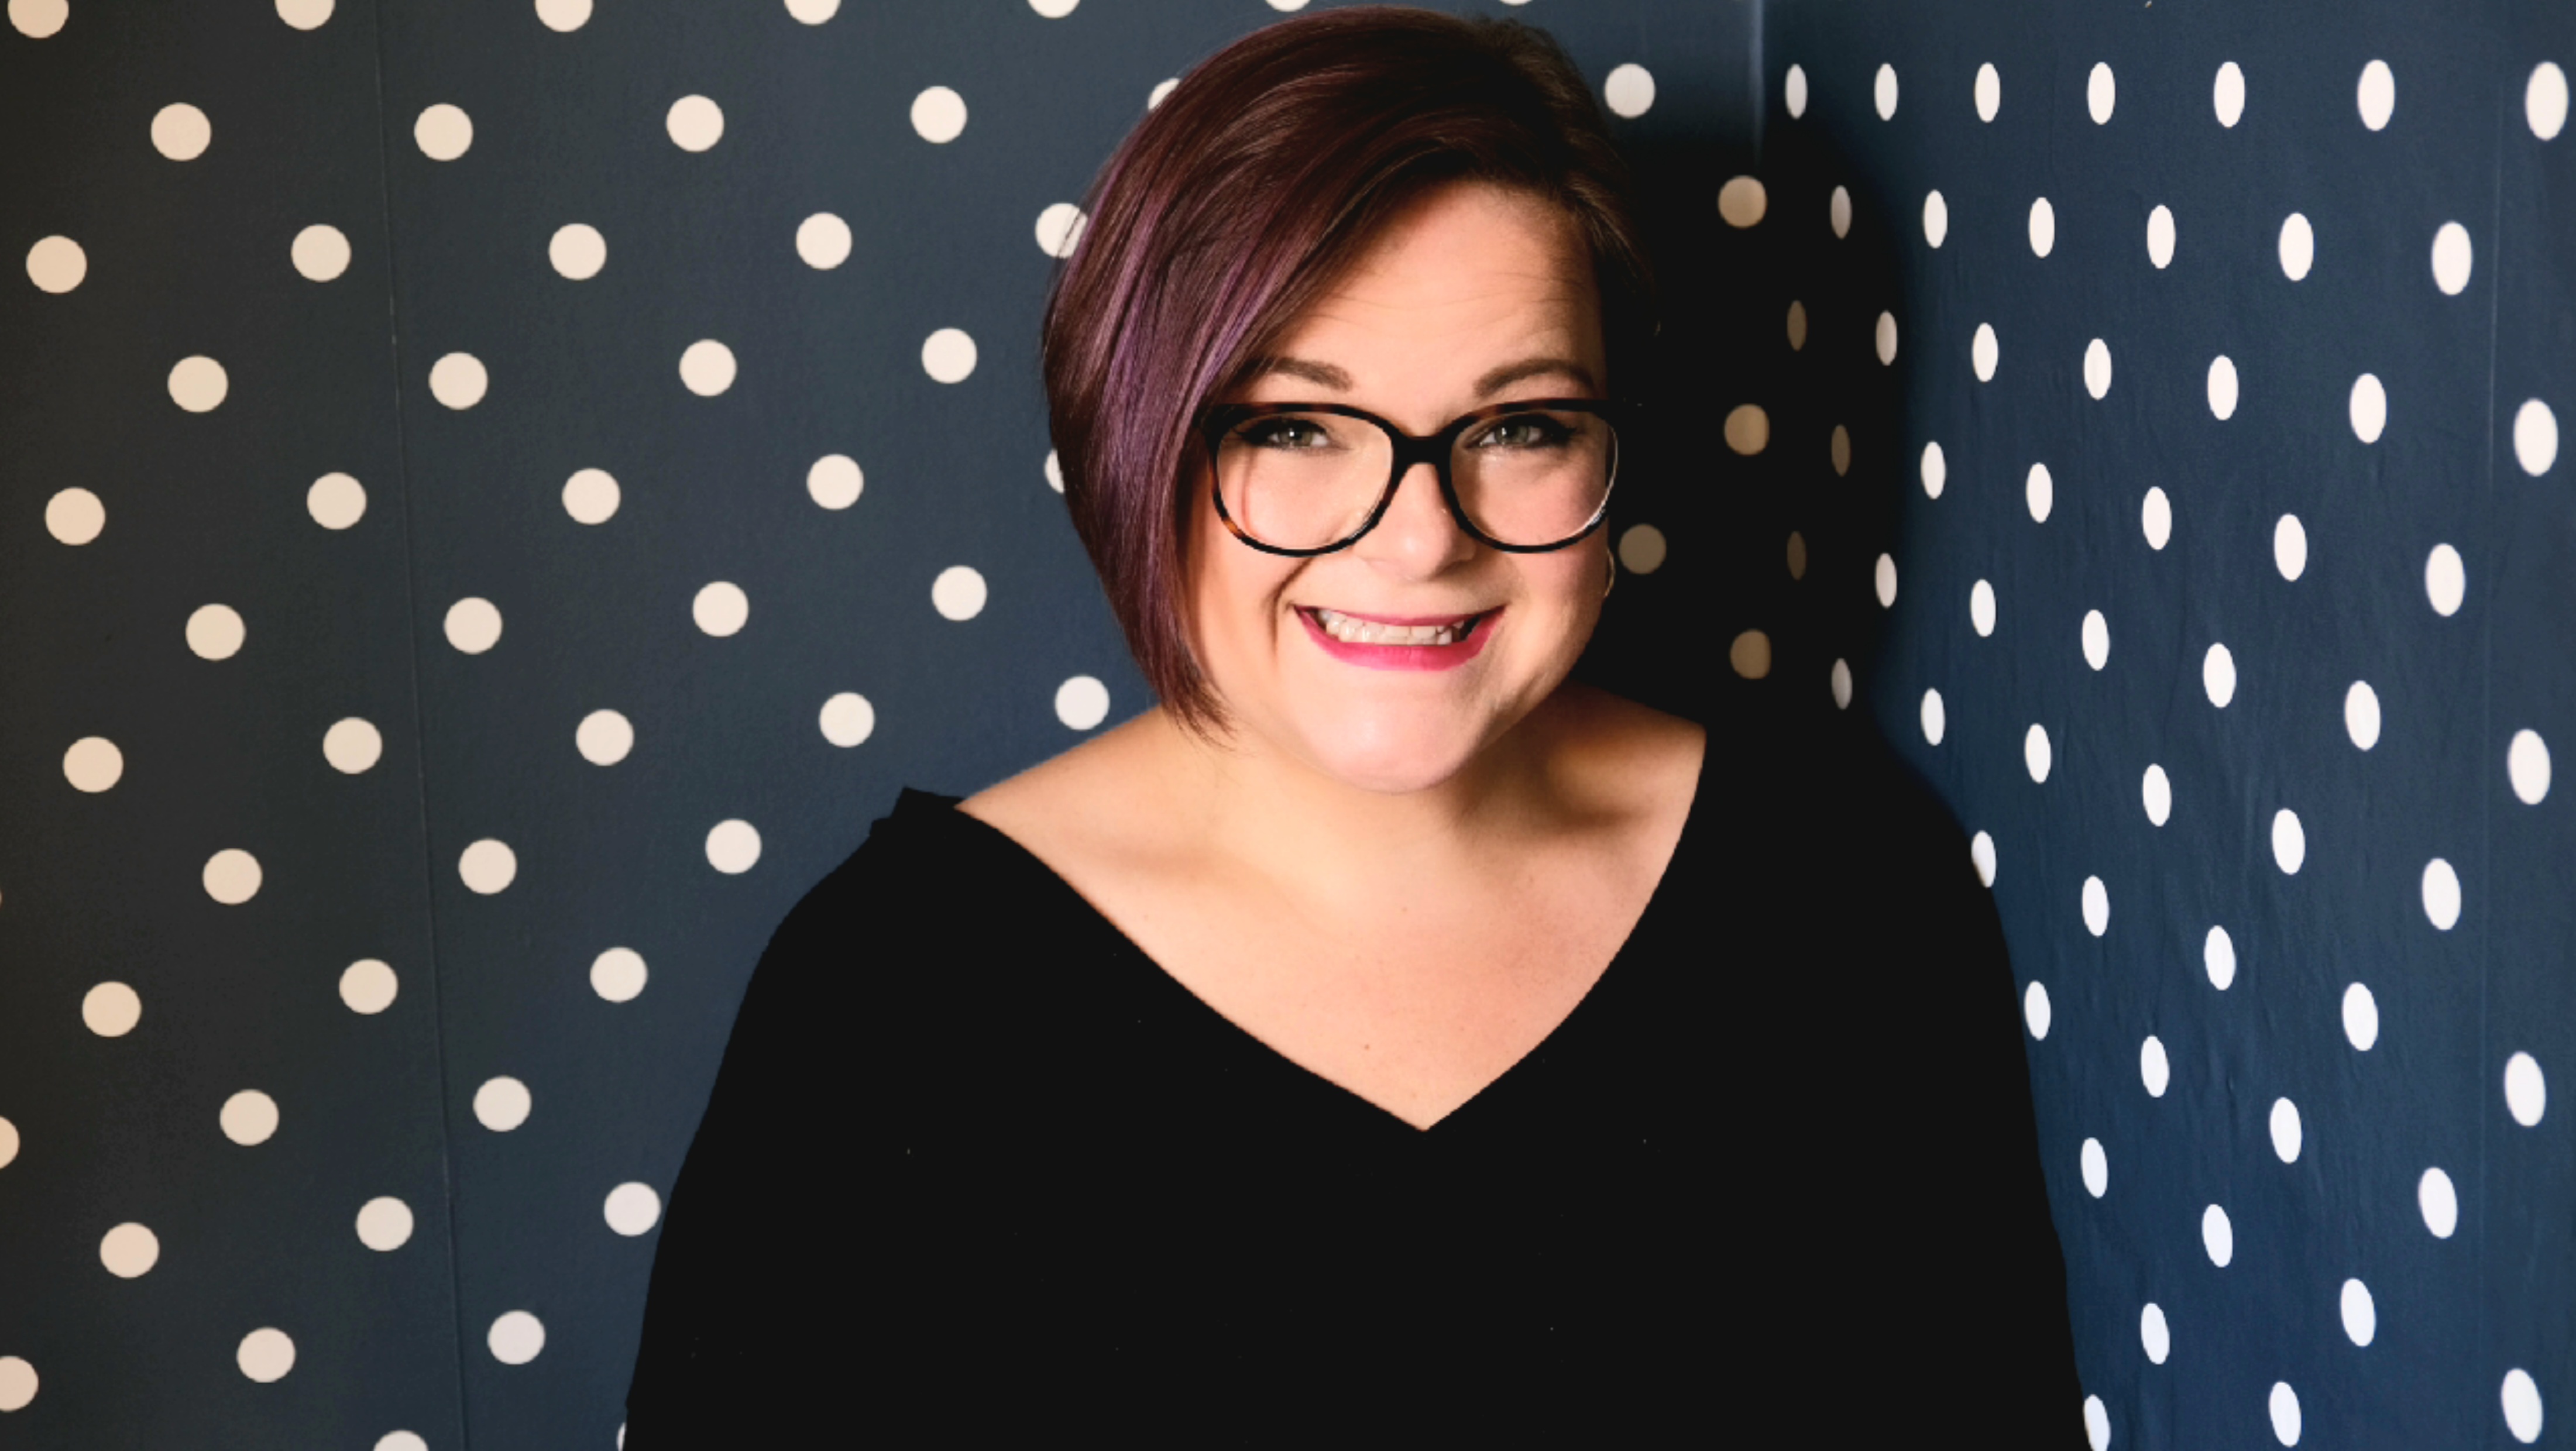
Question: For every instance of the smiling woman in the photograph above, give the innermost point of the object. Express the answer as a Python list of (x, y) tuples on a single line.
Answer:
[(1382, 1030)]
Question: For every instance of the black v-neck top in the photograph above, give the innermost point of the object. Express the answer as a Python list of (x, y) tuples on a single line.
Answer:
[(974, 1164)]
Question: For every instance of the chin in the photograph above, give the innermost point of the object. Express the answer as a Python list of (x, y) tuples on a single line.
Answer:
[(1391, 754)]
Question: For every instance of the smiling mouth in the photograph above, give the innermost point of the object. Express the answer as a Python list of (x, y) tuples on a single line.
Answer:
[(1358, 630)]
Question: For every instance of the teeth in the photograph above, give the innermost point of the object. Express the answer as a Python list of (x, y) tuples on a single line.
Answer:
[(1368, 632)]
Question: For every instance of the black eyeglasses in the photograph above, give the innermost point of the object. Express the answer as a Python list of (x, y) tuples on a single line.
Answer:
[(1303, 479)]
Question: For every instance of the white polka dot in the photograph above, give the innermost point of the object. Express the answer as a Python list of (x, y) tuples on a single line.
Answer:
[(2439, 1203), (516, 1338), (2446, 580), (1748, 429), (618, 974), (2452, 259), (443, 132), (1287, 4), (93, 764), (834, 481), (336, 501), (111, 1009), (1054, 9), (2285, 1401), (813, 12), (487, 866), (604, 737), (1983, 352), (1839, 681), (129, 1251), (2153, 1068), (2043, 228), (2039, 492), (1797, 325), (319, 253), (458, 380), (1082, 702), (18, 1378), (1886, 338), (1936, 719), (1161, 89), (1883, 92), (1989, 91), (36, 20), (2287, 1134), (2441, 895), (2096, 1167), (695, 123), (411, 1441), (847, 719), (2298, 247), (368, 986), (1936, 218), (2218, 675), (1793, 91), (2535, 437), (1981, 853), (1935, 470), (265, 1355), (2218, 958), (2217, 1235), (1838, 211), (2227, 94), (1743, 202), (2360, 1316), (2222, 387), (2544, 100), (2290, 547), (56, 264), (631, 1209), (1629, 90), (948, 355), (563, 16), (231, 876), (2035, 752), (502, 1104), (2156, 790), (1838, 450), (352, 745), (473, 625), (384, 1224), (181, 132), (216, 632), (591, 496), (2160, 237), (2097, 1424), (1749, 654), (1054, 472), (2368, 408), (939, 114), (2096, 900), (199, 384), (2154, 1336), (75, 516), (823, 241), (2360, 1017), (721, 609), (2526, 765), (577, 251), (1642, 549), (1981, 608), (2526, 1093), (958, 593), (2035, 1009), (1059, 229), (706, 368), (248, 1118), (2097, 639), (2361, 714), (2097, 368), (1883, 580), (733, 846), (2376, 96), (2101, 93), (2157, 519), (2521, 1394), (8, 1142)]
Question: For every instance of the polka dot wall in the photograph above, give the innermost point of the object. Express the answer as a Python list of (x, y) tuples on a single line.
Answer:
[(2221, 362), (498, 497)]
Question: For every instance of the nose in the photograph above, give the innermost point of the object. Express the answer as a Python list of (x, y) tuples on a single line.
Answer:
[(1417, 537)]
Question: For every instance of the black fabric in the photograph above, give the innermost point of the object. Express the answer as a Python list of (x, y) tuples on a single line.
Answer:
[(974, 1163)]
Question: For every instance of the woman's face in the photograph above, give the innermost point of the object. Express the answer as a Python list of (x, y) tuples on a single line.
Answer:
[(1475, 295)]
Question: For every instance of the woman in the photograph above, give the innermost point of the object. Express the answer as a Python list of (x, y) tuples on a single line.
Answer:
[(1381, 1032)]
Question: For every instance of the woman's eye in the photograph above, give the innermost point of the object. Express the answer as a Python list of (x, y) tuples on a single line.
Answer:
[(1528, 432), (1284, 433)]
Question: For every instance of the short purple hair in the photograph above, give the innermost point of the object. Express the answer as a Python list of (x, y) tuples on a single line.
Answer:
[(1237, 203)]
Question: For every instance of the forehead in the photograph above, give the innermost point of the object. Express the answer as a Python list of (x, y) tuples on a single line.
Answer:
[(1467, 254)]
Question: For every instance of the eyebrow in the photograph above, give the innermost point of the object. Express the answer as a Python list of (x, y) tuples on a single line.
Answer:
[(1486, 386)]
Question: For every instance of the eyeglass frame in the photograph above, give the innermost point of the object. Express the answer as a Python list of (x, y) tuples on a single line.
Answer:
[(1435, 449)]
